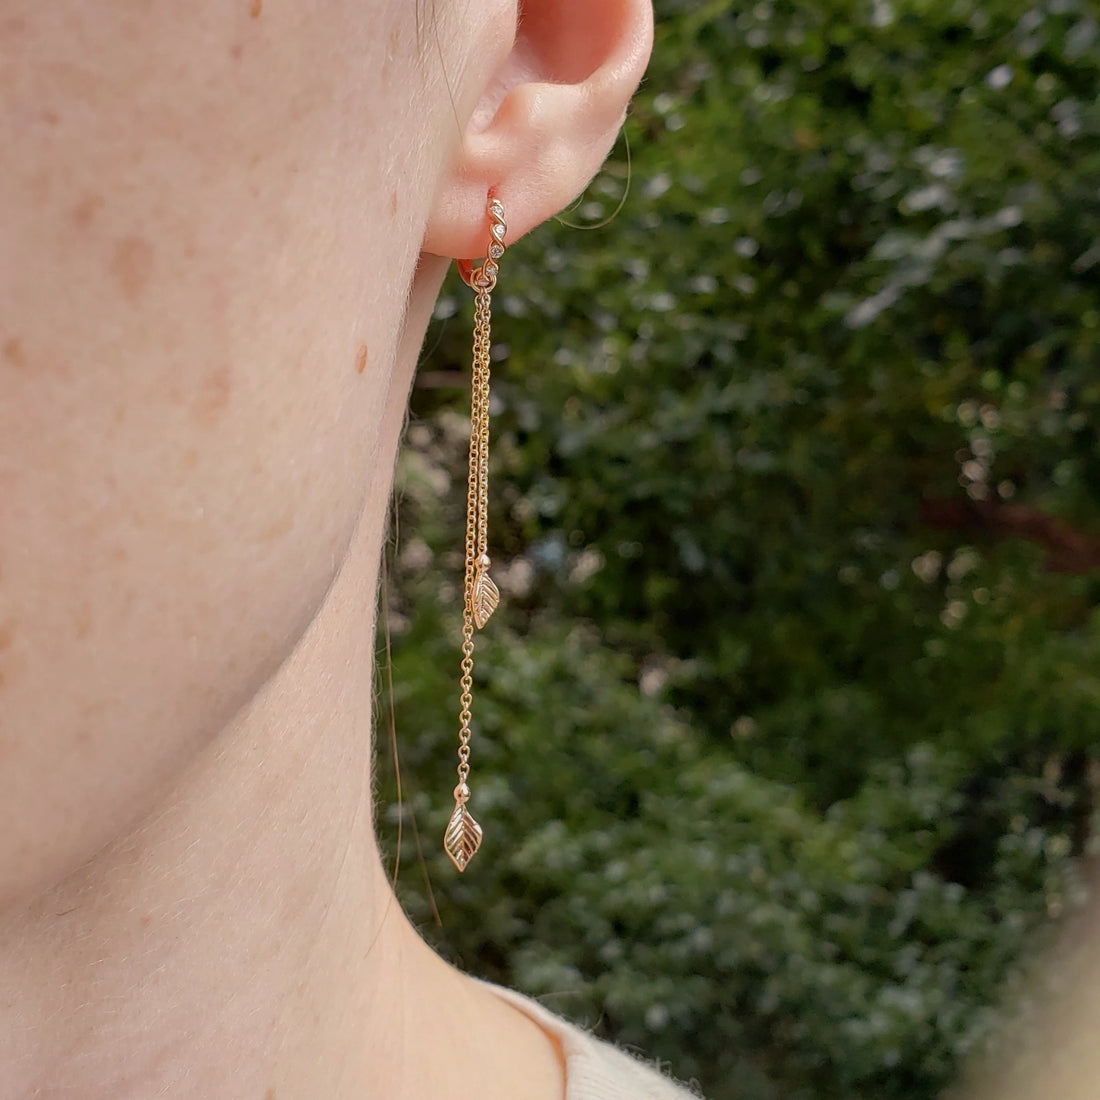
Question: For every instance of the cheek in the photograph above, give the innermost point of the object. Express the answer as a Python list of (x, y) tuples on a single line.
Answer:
[(153, 573), (167, 531), (187, 417)]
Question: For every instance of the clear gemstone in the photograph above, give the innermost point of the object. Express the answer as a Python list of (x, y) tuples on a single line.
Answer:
[(496, 251)]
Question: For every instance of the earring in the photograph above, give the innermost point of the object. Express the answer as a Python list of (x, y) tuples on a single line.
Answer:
[(480, 595)]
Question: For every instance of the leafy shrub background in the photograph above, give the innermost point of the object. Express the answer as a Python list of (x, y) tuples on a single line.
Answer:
[(786, 741)]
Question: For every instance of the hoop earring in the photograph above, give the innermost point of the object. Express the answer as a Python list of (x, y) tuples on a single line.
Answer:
[(480, 595)]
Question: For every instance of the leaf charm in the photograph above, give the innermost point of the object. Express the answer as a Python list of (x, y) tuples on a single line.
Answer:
[(463, 837), (486, 598)]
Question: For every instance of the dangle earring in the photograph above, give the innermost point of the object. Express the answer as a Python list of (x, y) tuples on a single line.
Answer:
[(480, 595)]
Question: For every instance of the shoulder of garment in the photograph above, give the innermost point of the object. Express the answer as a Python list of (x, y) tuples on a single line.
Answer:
[(596, 1069)]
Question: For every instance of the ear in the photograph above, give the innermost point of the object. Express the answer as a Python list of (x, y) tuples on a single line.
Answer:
[(545, 119)]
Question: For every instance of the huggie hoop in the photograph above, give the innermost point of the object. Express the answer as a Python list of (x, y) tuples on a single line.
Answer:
[(484, 277)]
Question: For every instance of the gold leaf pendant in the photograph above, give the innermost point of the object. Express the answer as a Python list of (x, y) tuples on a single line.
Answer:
[(463, 837), (486, 596)]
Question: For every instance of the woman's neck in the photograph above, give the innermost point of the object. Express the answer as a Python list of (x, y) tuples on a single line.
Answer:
[(243, 940), (200, 952)]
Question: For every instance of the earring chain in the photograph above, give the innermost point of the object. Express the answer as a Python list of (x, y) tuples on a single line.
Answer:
[(480, 594)]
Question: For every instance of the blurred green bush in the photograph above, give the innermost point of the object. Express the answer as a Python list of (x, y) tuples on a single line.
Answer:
[(787, 739)]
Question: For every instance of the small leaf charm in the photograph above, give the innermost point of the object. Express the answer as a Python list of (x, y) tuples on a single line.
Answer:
[(486, 597), (463, 837)]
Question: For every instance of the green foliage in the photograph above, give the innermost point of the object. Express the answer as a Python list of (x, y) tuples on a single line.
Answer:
[(783, 744)]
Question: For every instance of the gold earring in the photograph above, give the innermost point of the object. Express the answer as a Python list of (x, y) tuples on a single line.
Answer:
[(480, 595)]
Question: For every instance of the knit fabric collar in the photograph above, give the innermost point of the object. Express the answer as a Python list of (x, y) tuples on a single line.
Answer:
[(594, 1069)]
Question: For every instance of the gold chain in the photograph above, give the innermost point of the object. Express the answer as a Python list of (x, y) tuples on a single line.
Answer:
[(476, 520), (480, 595)]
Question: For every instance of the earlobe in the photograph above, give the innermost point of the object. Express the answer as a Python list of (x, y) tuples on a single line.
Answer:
[(545, 118)]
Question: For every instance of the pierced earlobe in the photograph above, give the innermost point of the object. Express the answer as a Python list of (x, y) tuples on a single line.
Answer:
[(545, 117)]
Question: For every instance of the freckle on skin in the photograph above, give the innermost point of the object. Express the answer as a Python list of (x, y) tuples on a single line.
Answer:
[(132, 265), (361, 359), (270, 1094), (82, 621), (7, 632), (86, 210), (256, 8), (278, 528), (393, 203), (213, 397), (13, 352)]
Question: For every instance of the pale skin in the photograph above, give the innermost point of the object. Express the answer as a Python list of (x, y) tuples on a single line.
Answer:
[(222, 231)]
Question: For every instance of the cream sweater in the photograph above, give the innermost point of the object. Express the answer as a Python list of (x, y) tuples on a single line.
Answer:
[(595, 1070)]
